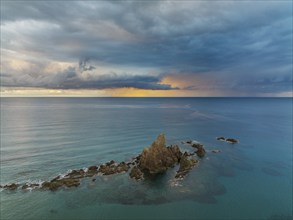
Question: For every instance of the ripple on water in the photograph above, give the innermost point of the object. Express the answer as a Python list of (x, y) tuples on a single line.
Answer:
[(277, 164), (271, 171)]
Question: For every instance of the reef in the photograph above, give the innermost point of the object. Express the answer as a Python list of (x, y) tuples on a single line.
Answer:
[(12, 186), (153, 161), (229, 140)]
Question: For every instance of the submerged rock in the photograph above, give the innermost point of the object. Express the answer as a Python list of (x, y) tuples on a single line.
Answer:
[(155, 201), (158, 158), (206, 199), (54, 211)]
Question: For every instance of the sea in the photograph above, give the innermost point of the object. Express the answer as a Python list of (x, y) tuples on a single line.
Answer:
[(45, 137)]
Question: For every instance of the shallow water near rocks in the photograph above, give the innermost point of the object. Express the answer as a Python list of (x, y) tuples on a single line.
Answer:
[(44, 137)]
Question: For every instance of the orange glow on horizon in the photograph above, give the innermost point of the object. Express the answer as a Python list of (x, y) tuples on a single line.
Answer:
[(118, 92), (133, 92)]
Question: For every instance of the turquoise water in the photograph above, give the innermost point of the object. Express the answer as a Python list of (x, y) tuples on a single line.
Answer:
[(44, 137)]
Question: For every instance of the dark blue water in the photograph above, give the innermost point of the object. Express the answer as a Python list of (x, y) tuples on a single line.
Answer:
[(43, 137)]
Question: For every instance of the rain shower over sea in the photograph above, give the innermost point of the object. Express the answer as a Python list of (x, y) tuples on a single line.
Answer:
[(42, 138)]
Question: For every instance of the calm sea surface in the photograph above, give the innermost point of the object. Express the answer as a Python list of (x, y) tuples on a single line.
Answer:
[(44, 137)]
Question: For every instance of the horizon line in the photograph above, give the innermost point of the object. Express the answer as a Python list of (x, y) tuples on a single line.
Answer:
[(146, 96)]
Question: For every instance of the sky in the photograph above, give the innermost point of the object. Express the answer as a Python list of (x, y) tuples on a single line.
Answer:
[(146, 48)]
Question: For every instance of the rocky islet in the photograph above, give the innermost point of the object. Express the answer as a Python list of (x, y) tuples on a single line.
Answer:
[(228, 140), (155, 159)]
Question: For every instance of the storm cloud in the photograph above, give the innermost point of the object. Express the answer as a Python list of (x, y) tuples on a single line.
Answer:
[(76, 78), (241, 47)]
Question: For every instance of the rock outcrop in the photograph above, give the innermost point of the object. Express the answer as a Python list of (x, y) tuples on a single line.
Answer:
[(221, 138), (91, 171), (136, 173), (186, 165), (232, 140), (30, 186), (71, 179), (200, 150), (229, 140), (12, 186), (158, 158), (58, 183), (113, 168), (74, 174)]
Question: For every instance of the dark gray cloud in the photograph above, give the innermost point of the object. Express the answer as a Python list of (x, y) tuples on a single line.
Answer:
[(241, 43), (83, 66), (266, 85), (73, 78), (5, 75)]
